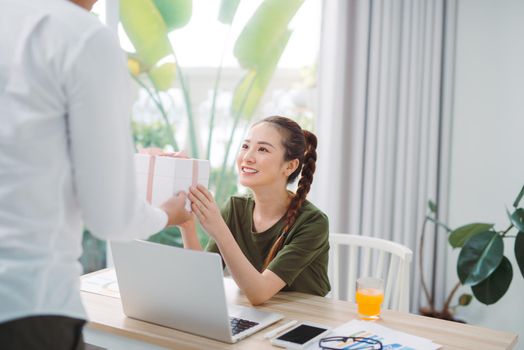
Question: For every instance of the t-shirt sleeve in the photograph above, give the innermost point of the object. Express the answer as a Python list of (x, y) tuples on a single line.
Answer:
[(101, 150), (226, 215), (304, 244)]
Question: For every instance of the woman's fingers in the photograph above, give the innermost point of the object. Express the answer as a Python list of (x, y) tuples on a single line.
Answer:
[(199, 195), (193, 197), (196, 210), (194, 200), (205, 192)]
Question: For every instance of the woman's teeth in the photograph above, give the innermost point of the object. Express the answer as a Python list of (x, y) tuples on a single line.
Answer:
[(248, 170)]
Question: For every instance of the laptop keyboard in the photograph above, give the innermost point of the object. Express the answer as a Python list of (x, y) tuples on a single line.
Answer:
[(239, 325)]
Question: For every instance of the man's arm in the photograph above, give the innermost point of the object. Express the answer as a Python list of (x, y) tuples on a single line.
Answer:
[(98, 90)]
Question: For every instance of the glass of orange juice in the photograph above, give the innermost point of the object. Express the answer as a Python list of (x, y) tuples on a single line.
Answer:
[(369, 297)]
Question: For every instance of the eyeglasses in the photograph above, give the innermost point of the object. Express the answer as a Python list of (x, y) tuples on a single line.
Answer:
[(363, 343)]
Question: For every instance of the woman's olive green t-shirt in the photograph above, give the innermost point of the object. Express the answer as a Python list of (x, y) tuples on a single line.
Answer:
[(303, 260)]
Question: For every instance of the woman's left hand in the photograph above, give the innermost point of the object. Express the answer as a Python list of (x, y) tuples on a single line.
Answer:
[(206, 210)]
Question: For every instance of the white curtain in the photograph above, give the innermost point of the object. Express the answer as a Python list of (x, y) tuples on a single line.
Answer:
[(384, 123)]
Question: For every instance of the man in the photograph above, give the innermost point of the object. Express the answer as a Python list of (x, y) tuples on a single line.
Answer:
[(65, 161)]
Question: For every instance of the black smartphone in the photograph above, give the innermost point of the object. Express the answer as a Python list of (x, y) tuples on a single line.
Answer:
[(300, 336)]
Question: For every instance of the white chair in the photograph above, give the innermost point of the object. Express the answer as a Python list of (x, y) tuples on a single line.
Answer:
[(378, 258)]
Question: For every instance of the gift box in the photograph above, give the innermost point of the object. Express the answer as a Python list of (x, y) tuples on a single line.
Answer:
[(160, 177)]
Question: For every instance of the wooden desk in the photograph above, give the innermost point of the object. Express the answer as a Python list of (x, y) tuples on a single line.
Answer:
[(106, 316)]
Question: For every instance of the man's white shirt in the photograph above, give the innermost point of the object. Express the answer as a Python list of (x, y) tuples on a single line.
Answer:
[(65, 153)]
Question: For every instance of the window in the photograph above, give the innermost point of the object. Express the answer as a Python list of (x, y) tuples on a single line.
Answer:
[(198, 97)]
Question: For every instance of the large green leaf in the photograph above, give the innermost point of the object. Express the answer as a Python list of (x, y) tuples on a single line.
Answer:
[(519, 197), (176, 13), (490, 290), (264, 30), (146, 30), (519, 251), (517, 219), (163, 76), (460, 235), (479, 257), (228, 9), (251, 89)]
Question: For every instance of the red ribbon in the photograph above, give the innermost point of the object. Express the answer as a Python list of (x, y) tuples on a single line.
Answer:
[(194, 176), (150, 176)]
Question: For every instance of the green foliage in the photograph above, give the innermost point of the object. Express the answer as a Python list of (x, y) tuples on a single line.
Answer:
[(229, 185), (228, 9), (176, 13), (481, 262), (94, 253), (264, 32), (250, 91), (460, 235), (150, 134), (519, 251), (517, 219), (519, 197), (258, 49), (163, 76), (146, 29), (169, 236), (493, 287), (479, 257)]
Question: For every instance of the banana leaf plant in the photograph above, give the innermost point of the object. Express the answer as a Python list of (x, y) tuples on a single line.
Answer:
[(153, 65), (481, 263), (156, 69), (258, 49)]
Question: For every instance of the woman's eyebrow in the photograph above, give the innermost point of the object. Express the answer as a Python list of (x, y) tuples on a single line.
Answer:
[(265, 143), (260, 143)]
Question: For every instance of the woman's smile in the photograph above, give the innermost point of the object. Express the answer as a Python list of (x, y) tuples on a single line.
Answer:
[(248, 171)]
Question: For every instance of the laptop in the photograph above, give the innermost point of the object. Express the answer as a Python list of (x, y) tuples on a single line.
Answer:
[(182, 289)]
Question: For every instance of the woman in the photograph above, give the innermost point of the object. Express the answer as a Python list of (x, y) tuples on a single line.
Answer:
[(271, 239)]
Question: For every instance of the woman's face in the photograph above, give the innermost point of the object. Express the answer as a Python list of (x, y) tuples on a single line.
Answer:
[(260, 161)]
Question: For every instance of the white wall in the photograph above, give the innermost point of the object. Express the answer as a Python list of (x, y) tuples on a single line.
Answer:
[(487, 168)]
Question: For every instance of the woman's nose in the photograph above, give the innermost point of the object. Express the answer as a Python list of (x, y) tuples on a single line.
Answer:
[(249, 156)]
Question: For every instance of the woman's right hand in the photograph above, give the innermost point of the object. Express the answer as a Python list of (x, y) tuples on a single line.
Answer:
[(188, 230), (189, 224)]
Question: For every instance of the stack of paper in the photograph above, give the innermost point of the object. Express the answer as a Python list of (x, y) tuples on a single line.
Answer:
[(101, 282), (390, 339)]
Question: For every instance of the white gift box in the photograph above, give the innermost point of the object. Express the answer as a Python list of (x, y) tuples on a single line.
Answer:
[(159, 177)]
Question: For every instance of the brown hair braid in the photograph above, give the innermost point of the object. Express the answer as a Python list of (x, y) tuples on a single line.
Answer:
[(298, 144)]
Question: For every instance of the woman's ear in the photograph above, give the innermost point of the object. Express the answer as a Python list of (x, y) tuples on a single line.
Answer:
[(291, 166)]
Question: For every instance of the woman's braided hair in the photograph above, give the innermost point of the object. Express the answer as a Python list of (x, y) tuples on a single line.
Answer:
[(298, 144)]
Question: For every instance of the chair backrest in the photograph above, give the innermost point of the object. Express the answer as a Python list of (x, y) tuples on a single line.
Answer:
[(371, 257)]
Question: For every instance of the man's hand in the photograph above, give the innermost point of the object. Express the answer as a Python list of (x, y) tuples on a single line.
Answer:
[(175, 210)]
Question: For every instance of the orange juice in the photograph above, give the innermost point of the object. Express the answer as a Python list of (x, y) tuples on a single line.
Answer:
[(369, 301)]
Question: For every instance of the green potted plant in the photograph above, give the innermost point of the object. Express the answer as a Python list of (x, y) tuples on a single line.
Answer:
[(481, 262), (155, 67)]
